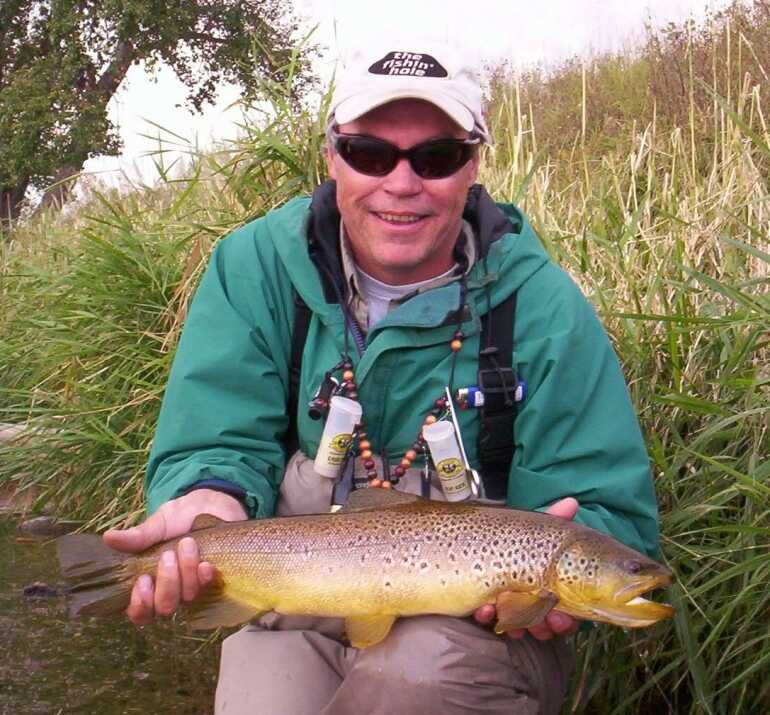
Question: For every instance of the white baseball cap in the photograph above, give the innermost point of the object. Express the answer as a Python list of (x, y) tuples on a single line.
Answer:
[(438, 74)]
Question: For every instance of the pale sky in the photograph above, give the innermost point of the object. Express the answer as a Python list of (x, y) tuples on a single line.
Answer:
[(495, 30)]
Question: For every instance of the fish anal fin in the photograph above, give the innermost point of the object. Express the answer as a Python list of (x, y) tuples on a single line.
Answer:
[(215, 608), (522, 609), (363, 499), (365, 631)]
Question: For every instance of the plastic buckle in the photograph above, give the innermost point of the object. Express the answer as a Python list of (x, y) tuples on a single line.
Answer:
[(500, 388)]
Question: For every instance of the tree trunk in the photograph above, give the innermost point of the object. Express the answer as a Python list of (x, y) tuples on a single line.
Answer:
[(11, 199), (58, 193)]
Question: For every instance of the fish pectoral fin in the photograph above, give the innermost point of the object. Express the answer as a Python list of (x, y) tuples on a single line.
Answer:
[(214, 608), (522, 609), (365, 631)]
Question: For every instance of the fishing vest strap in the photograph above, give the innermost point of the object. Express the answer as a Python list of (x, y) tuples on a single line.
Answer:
[(498, 381)]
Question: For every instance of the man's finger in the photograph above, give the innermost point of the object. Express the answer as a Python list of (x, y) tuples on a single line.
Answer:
[(541, 631), (485, 614), (206, 573), (515, 633), (564, 508), (561, 623), (188, 556), (137, 538), (167, 584), (140, 609)]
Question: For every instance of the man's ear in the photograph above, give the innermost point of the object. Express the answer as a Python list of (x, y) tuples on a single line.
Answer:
[(473, 168), (329, 156)]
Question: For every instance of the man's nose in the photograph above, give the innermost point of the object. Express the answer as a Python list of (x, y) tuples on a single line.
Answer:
[(402, 180)]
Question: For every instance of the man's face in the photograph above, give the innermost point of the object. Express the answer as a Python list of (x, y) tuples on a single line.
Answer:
[(401, 228)]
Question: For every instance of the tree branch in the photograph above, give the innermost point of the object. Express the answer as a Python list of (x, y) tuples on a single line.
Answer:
[(110, 81)]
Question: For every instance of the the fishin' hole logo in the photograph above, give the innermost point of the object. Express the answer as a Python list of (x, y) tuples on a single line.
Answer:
[(411, 64)]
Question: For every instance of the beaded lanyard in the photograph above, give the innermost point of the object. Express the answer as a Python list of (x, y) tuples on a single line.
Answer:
[(361, 444)]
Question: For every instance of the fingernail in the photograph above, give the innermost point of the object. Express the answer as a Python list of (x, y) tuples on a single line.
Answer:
[(168, 558), (145, 583), (188, 547)]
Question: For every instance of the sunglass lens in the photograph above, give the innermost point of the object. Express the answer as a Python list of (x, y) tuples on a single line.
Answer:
[(368, 156), (438, 160)]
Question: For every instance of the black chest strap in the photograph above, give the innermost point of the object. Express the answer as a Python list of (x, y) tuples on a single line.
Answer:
[(499, 383)]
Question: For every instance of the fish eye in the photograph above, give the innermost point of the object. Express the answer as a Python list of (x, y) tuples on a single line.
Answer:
[(633, 566)]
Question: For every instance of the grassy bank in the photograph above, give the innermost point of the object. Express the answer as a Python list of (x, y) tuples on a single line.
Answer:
[(646, 176)]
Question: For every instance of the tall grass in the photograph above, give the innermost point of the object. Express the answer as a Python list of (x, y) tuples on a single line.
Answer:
[(652, 192)]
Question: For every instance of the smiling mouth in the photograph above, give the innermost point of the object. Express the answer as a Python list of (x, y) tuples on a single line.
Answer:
[(398, 218)]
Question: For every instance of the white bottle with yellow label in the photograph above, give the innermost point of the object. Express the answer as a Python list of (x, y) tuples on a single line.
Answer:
[(344, 415), (447, 457)]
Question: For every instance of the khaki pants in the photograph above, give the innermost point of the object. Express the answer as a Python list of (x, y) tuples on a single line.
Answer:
[(428, 665)]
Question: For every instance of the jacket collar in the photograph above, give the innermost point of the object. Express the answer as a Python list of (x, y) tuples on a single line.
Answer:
[(487, 221)]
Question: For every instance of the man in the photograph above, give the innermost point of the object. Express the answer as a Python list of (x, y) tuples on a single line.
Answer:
[(397, 259)]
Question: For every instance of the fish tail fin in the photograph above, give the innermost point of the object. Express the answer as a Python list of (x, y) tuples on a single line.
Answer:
[(215, 607), (100, 578)]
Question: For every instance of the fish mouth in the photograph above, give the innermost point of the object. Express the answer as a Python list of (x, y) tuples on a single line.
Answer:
[(630, 609)]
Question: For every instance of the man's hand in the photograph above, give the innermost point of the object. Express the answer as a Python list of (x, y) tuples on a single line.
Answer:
[(555, 623), (180, 573)]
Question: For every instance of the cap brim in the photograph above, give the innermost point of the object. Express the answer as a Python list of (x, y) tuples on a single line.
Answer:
[(356, 106)]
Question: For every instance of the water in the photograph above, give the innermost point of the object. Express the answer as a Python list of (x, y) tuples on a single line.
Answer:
[(51, 664)]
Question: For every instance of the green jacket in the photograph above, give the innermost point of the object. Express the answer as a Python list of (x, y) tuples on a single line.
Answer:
[(224, 414)]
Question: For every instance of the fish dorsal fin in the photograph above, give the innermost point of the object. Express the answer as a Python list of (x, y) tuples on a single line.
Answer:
[(363, 499), (205, 521), (365, 631)]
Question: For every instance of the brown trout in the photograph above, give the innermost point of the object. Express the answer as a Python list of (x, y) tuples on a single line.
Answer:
[(388, 555)]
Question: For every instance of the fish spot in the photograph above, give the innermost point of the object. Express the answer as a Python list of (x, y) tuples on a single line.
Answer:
[(478, 567)]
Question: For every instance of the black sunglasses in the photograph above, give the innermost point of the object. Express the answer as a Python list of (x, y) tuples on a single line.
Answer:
[(434, 159)]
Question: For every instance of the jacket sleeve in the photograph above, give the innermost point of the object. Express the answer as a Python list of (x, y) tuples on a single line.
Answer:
[(576, 433), (224, 410)]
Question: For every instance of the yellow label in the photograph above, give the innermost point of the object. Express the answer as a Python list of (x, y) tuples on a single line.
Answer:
[(452, 475), (449, 468), (338, 448)]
